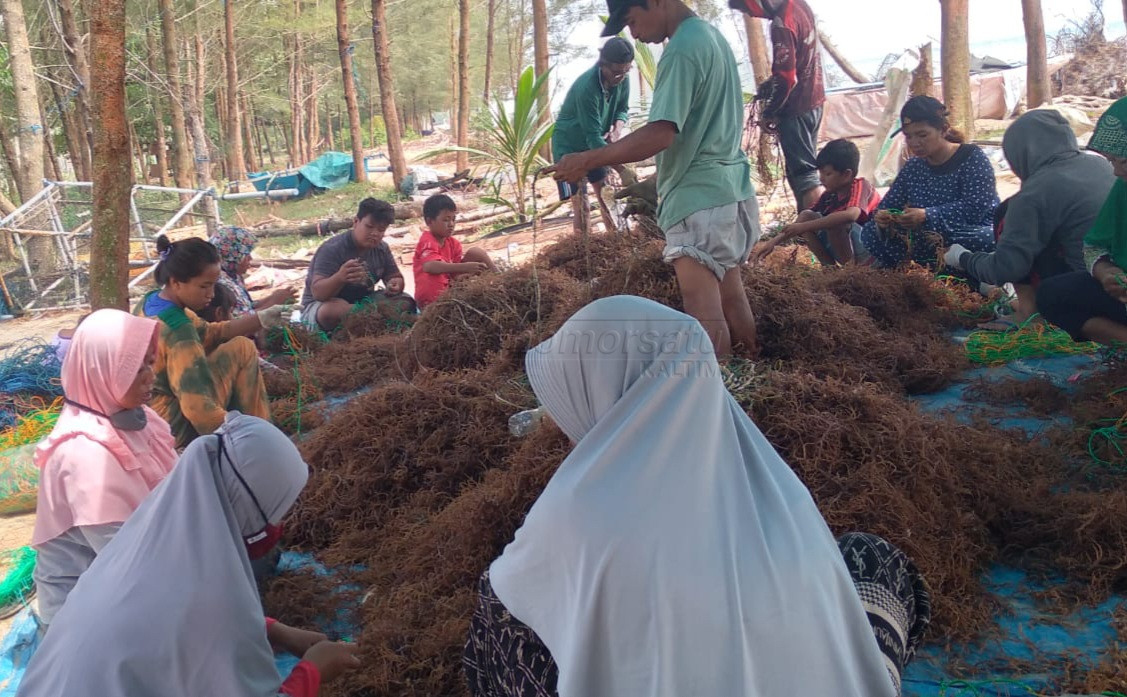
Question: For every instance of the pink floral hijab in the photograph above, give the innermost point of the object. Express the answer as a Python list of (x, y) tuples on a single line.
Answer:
[(92, 473)]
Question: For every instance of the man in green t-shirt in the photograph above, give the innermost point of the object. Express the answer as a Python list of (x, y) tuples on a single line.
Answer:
[(593, 114), (706, 203)]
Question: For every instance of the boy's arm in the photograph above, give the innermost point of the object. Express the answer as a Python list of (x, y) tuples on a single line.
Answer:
[(439, 267), (835, 219)]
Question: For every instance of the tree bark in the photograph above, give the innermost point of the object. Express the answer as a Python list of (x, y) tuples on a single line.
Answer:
[(196, 96), (848, 68), (344, 48), (50, 157), (72, 132), (158, 113), (1039, 88), (923, 78), (8, 149), (109, 270), (761, 69), (250, 158), (491, 10), (77, 57), (454, 85), (236, 167), (29, 172), (182, 159), (387, 92), (540, 50), (313, 135), (956, 65), (463, 83)]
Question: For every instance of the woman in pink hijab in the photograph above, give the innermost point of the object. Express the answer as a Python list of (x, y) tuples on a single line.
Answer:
[(105, 454)]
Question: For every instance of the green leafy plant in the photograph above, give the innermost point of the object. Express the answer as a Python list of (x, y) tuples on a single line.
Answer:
[(512, 143)]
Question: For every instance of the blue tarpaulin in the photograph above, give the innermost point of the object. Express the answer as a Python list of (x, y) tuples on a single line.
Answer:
[(331, 170)]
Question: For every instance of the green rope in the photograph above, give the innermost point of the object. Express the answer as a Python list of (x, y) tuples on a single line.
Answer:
[(19, 582), (974, 687), (1031, 339)]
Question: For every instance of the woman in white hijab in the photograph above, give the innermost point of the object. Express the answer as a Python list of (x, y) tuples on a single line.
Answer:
[(674, 553), (169, 607)]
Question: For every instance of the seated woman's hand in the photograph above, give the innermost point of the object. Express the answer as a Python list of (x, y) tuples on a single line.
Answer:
[(294, 641), (883, 218), (911, 218), (332, 658), (283, 295)]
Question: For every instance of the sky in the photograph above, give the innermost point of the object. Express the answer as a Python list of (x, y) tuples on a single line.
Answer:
[(995, 29)]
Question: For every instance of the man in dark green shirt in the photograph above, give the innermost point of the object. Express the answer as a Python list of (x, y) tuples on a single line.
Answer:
[(593, 114)]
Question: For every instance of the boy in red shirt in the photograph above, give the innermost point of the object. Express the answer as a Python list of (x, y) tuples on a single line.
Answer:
[(438, 256), (848, 203)]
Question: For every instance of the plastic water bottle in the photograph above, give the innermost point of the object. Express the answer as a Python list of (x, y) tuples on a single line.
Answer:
[(525, 422)]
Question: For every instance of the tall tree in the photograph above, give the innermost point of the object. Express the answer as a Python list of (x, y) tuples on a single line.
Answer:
[(387, 92), (1039, 88), (491, 10), (955, 61), (236, 167), (463, 83), (29, 176), (182, 159), (158, 112), (761, 70), (541, 54), (77, 58), (113, 179), (344, 48), (195, 97)]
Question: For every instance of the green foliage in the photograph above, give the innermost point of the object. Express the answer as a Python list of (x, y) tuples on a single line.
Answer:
[(378, 129), (513, 141)]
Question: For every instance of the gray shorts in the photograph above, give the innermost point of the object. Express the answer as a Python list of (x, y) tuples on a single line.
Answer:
[(718, 238), (309, 315)]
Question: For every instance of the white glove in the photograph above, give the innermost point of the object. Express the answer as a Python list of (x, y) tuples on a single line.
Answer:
[(954, 253), (272, 317)]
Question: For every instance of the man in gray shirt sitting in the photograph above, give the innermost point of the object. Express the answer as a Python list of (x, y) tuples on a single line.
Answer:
[(347, 267)]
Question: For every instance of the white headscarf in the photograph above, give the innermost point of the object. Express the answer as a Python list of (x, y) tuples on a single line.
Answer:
[(170, 608), (674, 553)]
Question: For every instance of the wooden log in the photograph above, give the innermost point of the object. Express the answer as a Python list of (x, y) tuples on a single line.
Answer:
[(831, 48)]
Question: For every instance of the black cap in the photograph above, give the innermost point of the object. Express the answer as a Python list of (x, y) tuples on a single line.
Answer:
[(617, 51), (923, 108), (616, 15)]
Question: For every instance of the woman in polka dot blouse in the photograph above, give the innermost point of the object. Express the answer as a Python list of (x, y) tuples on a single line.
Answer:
[(947, 188)]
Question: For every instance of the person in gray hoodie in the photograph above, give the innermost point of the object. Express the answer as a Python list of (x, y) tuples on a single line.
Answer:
[(1042, 227)]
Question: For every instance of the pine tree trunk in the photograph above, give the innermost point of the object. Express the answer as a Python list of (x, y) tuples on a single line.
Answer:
[(72, 133), (313, 125), (29, 173), (491, 10), (463, 83), (344, 48), (77, 57), (109, 258), (236, 167), (158, 113), (294, 140), (250, 159), (540, 50), (1039, 88), (194, 112), (956, 65), (182, 159), (387, 92), (761, 70), (197, 100)]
